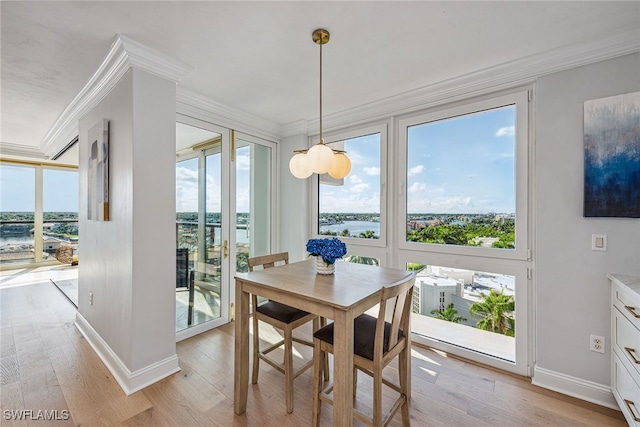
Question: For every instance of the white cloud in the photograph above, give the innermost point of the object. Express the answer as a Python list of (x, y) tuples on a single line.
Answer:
[(355, 179), (372, 171), (506, 131), (359, 188), (357, 202), (243, 162), (445, 204), (416, 170), (417, 187), (186, 190)]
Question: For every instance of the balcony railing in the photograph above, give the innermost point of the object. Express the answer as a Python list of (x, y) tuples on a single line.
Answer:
[(17, 239)]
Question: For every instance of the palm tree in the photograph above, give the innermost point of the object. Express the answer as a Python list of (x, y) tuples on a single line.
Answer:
[(496, 312), (450, 314)]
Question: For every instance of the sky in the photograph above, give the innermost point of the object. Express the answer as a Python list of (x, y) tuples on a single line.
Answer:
[(459, 165), (187, 182), (17, 189)]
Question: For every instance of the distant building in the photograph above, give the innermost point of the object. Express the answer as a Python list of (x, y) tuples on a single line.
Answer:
[(419, 225), (437, 287), (485, 242), (504, 217), (433, 292)]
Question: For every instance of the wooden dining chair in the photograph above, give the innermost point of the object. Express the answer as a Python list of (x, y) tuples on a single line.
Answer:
[(285, 318), (376, 343)]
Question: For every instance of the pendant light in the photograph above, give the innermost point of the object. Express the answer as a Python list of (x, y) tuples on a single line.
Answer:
[(320, 158)]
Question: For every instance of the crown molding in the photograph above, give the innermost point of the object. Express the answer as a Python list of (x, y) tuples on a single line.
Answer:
[(20, 150), (502, 76), (124, 54), (200, 107), (299, 127)]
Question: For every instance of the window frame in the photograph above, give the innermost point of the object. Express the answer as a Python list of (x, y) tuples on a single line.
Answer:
[(38, 221), (360, 245), (520, 100), (524, 333)]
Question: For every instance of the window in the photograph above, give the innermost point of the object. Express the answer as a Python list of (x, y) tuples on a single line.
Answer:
[(353, 207), (467, 309), (462, 226), (465, 171), (39, 212), (17, 244), (60, 210)]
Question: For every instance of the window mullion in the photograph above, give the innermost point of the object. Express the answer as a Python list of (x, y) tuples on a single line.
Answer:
[(38, 217)]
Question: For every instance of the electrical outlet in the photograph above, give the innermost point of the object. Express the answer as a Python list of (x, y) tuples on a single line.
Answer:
[(596, 343), (90, 298)]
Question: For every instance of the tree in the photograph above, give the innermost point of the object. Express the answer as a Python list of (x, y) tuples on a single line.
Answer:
[(242, 265), (368, 234), (356, 259), (450, 314), (496, 312)]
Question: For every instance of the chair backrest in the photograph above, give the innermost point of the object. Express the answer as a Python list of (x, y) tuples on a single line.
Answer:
[(268, 261), (399, 297), (182, 268)]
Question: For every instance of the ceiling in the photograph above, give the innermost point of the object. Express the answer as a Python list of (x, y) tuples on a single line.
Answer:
[(258, 57)]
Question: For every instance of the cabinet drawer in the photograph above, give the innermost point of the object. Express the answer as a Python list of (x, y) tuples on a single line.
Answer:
[(628, 303), (627, 341), (626, 392)]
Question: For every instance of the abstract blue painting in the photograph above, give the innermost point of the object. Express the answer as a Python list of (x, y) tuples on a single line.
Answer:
[(612, 156)]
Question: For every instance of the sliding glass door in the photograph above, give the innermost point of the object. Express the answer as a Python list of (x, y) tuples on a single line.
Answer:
[(223, 216), (202, 230)]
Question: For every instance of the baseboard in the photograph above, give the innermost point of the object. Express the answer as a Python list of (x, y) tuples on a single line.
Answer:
[(130, 382), (576, 387)]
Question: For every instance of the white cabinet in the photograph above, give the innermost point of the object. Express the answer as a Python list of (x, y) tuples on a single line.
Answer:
[(625, 345)]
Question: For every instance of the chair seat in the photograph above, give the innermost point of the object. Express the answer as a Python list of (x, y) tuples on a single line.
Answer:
[(281, 312), (364, 332)]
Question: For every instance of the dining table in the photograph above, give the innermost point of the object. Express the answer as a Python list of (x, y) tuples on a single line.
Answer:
[(342, 296)]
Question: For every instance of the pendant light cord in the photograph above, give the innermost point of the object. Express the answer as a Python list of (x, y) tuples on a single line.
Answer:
[(321, 139)]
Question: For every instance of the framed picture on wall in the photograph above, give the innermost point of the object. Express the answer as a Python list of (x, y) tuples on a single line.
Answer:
[(98, 174), (612, 156)]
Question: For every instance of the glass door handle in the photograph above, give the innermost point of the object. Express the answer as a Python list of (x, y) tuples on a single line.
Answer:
[(226, 249)]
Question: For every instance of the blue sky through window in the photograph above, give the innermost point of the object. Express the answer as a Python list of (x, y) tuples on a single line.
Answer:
[(361, 190), (464, 164)]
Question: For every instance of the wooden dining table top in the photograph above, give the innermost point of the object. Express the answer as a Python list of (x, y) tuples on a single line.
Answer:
[(345, 288)]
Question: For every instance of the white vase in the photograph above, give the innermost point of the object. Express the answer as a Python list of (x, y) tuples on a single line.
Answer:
[(324, 268)]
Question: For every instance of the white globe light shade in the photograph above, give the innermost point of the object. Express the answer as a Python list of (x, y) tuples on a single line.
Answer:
[(320, 158), (341, 166), (299, 167)]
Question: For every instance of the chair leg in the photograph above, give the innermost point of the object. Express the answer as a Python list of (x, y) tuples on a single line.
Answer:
[(318, 362), (256, 350), (323, 323), (404, 389), (377, 397), (288, 367), (355, 382)]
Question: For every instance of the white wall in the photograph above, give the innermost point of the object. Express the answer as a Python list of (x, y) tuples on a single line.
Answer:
[(572, 291), (128, 263), (294, 202)]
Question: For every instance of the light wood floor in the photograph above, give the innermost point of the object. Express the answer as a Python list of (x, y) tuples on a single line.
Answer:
[(47, 365)]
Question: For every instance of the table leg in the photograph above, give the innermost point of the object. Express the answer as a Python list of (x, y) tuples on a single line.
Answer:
[(241, 359), (343, 369)]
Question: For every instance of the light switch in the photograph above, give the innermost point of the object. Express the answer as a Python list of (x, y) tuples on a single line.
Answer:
[(598, 242)]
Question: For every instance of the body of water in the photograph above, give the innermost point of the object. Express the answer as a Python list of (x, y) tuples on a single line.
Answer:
[(16, 239), (354, 227)]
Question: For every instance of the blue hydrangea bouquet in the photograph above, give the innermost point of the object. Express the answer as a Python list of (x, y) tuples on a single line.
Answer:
[(329, 249)]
